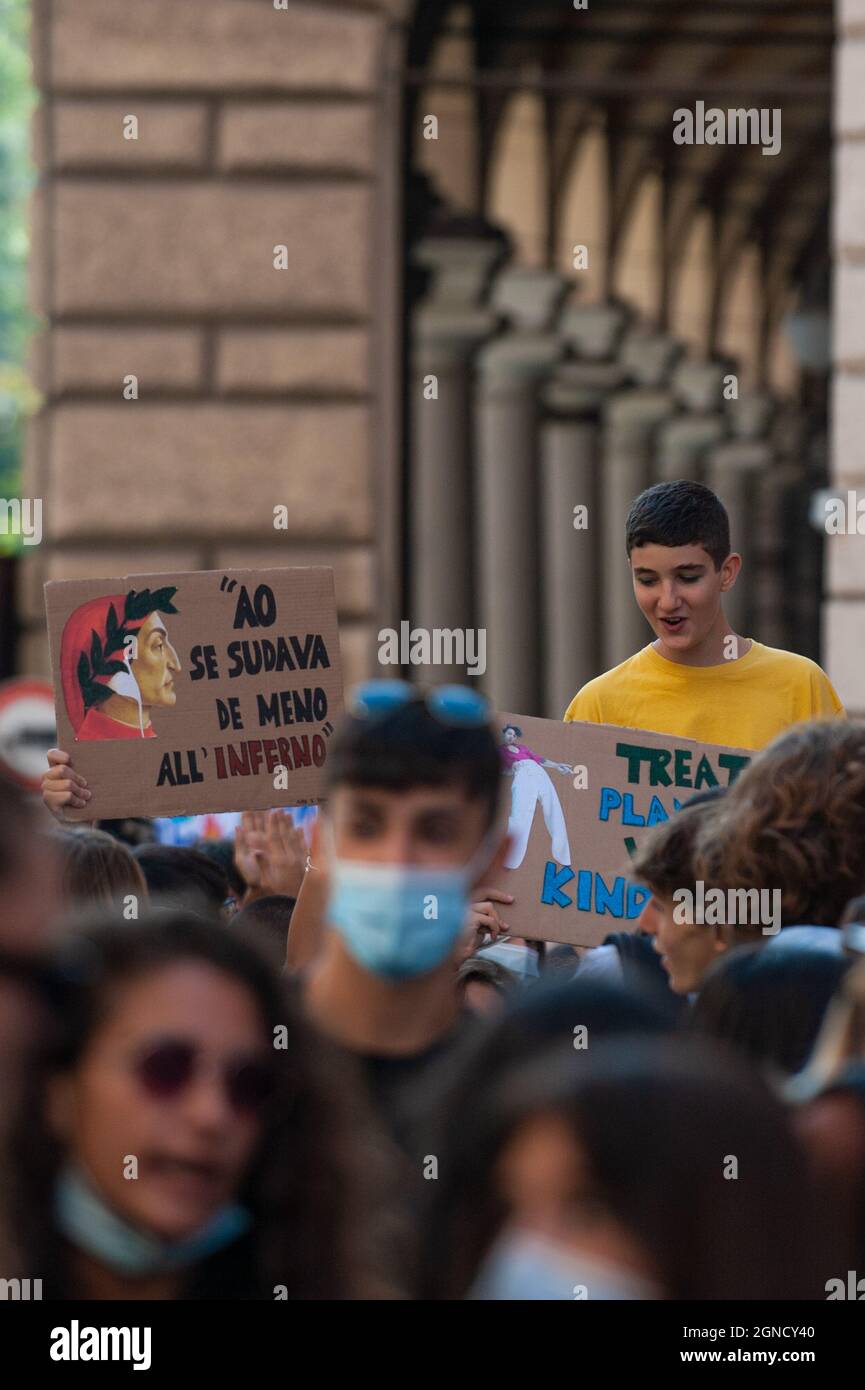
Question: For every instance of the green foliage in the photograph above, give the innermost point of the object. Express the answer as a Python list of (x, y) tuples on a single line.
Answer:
[(142, 604), (17, 100)]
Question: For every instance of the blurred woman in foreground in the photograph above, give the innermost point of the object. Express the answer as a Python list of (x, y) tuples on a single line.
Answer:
[(641, 1168), (184, 1137)]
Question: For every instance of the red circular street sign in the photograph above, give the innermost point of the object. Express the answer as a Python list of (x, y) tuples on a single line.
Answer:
[(27, 730)]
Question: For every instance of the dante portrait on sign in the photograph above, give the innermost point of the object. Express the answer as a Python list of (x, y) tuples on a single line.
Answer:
[(117, 663)]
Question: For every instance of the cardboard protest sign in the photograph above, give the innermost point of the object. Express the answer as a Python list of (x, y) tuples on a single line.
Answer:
[(210, 691), (583, 797)]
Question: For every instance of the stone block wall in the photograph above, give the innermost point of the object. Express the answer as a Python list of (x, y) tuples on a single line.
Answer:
[(257, 127)]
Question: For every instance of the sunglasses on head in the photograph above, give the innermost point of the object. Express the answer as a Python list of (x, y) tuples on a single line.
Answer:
[(454, 705), (167, 1068)]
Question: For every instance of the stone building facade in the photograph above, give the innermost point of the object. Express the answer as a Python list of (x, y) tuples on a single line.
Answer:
[(257, 128), (262, 125)]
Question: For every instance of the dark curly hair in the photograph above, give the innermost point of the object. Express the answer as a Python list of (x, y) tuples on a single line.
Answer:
[(794, 820), (305, 1187)]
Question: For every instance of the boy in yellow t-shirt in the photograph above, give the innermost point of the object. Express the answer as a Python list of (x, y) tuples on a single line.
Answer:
[(698, 679)]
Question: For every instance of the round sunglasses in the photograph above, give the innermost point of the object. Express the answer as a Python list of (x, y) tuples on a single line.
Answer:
[(167, 1068)]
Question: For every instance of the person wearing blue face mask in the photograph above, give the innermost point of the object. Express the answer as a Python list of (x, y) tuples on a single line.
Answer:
[(412, 827), (593, 1174)]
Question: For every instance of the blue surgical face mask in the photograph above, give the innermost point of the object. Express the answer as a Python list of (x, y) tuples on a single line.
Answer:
[(400, 922), (523, 1267), (91, 1225)]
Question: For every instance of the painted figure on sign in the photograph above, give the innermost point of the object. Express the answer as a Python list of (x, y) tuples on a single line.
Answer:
[(532, 784), (116, 663)]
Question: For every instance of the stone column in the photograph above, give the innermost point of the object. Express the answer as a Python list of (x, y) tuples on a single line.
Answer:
[(807, 545), (844, 611), (632, 417), (732, 471), (751, 414), (780, 488), (773, 532), (571, 553), (682, 441), (509, 372), (448, 327)]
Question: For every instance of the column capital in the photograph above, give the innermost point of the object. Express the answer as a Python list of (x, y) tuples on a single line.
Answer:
[(697, 431), (751, 415), (518, 360), (452, 330), (529, 298), (638, 410), (699, 385), (683, 441), (460, 265), (582, 387), (594, 330), (649, 356), (741, 456)]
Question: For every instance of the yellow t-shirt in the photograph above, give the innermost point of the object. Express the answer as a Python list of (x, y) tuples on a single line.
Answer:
[(743, 703)]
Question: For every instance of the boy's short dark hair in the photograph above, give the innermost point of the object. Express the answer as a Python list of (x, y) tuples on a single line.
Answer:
[(679, 513), (409, 748)]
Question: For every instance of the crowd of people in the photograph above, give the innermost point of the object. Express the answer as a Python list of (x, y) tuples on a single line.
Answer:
[(421, 1105), (273, 1069)]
